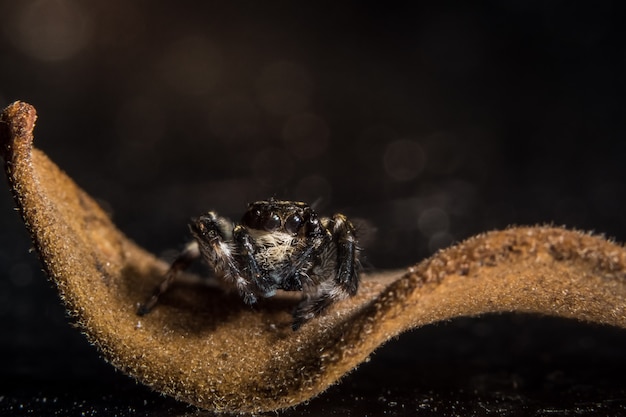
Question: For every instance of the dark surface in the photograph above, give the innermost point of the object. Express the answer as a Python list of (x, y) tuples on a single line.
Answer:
[(432, 121)]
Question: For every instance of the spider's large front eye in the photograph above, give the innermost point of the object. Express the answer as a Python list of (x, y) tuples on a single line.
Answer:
[(271, 222), (293, 223)]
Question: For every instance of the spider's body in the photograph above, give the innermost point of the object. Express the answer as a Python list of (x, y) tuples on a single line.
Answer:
[(278, 245)]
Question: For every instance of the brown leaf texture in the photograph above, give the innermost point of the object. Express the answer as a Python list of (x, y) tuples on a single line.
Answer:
[(207, 348)]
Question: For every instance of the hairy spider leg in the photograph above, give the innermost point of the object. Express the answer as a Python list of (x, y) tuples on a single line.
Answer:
[(347, 262), (182, 262), (244, 241), (293, 279), (345, 280), (210, 231)]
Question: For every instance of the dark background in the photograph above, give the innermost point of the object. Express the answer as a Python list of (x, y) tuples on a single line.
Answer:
[(432, 121)]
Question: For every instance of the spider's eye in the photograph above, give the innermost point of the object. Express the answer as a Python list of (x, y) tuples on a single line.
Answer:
[(293, 223), (252, 219), (271, 222), (313, 225)]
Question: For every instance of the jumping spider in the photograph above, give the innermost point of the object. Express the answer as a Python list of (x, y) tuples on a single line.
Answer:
[(279, 245)]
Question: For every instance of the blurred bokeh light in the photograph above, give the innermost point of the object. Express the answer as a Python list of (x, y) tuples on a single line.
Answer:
[(50, 30)]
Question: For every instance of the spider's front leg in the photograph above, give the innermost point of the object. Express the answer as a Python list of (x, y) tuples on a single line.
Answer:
[(257, 278), (210, 232), (345, 274)]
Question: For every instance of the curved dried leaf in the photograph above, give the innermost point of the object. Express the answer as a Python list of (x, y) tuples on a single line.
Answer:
[(208, 349)]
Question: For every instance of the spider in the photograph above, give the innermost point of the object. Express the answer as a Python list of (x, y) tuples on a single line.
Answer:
[(278, 245)]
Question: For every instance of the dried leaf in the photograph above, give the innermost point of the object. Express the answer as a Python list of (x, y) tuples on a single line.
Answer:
[(207, 348)]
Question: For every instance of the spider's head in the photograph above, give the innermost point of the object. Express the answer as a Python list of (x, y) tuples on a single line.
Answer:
[(292, 217)]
